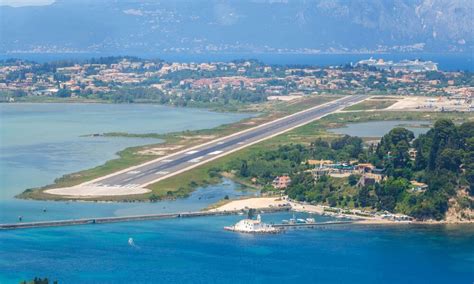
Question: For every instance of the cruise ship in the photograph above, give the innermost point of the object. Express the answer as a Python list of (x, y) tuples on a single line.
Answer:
[(404, 65)]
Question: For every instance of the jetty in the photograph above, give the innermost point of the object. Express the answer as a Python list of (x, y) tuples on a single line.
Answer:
[(313, 225), (150, 217), (104, 220)]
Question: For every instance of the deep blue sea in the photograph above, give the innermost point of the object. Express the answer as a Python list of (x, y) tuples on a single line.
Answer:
[(447, 61), (198, 250)]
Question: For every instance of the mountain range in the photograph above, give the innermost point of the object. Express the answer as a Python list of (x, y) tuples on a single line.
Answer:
[(245, 26)]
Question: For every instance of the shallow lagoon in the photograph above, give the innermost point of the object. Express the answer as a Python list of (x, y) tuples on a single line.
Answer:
[(40, 142), (380, 128)]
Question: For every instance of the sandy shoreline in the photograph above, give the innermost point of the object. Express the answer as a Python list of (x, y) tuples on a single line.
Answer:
[(91, 191), (257, 202), (262, 203)]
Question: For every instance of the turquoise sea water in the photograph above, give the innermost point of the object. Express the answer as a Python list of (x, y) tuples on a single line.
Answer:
[(198, 250), (41, 142)]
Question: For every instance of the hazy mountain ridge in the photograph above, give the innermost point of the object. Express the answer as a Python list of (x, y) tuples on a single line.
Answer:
[(311, 26)]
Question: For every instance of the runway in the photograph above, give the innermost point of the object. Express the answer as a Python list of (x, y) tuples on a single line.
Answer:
[(137, 178)]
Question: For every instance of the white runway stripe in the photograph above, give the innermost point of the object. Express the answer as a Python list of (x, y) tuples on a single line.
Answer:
[(133, 185), (215, 153)]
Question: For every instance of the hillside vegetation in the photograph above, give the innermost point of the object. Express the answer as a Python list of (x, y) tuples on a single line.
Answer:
[(444, 162)]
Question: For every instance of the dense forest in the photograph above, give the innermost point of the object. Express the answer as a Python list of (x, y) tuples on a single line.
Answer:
[(444, 161)]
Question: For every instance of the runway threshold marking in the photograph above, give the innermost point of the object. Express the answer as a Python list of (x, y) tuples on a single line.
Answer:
[(133, 185)]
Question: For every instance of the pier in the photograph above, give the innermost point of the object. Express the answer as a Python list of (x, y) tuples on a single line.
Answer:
[(104, 220), (312, 225), (150, 217)]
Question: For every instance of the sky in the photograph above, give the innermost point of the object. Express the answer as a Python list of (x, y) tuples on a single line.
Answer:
[(21, 3)]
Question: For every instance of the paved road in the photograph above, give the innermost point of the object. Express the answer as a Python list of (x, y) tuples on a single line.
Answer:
[(184, 160)]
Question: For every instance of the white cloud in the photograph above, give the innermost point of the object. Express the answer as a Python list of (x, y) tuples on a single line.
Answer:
[(21, 3)]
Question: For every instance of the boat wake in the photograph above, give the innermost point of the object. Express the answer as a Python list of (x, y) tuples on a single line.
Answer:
[(131, 243)]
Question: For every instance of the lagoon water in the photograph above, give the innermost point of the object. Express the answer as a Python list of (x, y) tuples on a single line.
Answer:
[(380, 128), (42, 142)]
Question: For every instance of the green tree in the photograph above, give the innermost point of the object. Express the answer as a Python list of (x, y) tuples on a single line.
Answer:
[(353, 179), (443, 135), (244, 169), (63, 93), (363, 196)]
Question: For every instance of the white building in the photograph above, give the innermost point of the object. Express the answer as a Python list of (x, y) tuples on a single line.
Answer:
[(252, 226)]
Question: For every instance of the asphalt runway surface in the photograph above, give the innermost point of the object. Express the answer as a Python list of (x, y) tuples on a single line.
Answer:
[(174, 163)]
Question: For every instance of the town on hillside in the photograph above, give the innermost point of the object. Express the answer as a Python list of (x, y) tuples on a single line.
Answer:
[(130, 79)]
